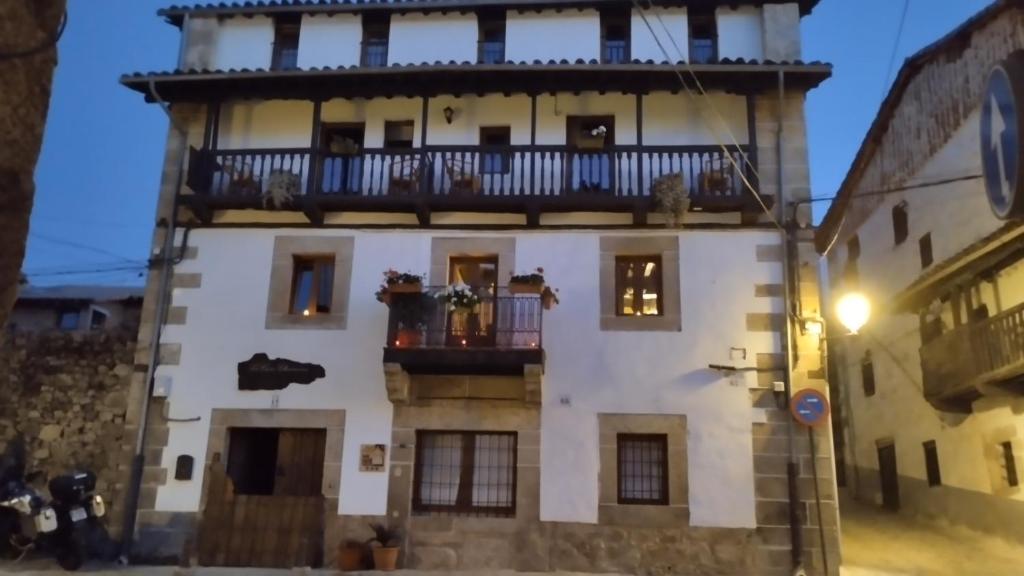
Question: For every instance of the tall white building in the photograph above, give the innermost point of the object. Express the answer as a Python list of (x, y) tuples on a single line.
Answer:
[(930, 393), (632, 427)]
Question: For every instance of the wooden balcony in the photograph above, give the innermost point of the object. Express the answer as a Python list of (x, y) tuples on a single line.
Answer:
[(979, 359), (519, 179)]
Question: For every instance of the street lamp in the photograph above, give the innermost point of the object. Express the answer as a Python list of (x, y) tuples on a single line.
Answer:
[(853, 310)]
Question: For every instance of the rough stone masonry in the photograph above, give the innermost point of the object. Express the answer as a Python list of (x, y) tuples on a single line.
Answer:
[(67, 394)]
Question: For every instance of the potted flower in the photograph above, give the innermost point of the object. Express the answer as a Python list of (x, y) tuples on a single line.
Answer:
[(402, 282), (671, 198), (532, 283), (385, 545), (351, 555), (459, 298), (549, 298)]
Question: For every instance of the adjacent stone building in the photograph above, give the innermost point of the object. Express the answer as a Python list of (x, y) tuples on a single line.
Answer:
[(929, 394), (632, 427)]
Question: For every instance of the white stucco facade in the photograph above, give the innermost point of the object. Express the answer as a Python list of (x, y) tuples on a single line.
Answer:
[(740, 33), (243, 43), (330, 41), (430, 38)]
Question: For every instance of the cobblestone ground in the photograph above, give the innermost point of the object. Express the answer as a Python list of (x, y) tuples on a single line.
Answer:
[(877, 543)]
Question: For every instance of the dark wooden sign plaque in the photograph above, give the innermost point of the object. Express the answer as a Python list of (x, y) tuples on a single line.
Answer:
[(264, 373)]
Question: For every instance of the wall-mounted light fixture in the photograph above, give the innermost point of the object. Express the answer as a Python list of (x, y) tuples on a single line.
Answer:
[(449, 114)]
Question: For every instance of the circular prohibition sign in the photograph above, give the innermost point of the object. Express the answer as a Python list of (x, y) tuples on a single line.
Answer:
[(809, 407)]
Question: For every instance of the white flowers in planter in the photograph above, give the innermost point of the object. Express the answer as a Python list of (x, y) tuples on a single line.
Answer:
[(459, 297), (599, 132)]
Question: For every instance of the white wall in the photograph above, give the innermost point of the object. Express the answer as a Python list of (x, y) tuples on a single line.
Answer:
[(740, 32), (244, 43), (550, 35), (663, 372), (429, 38), (672, 31), (330, 41)]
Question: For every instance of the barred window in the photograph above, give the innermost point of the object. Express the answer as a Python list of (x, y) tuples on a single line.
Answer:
[(465, 473), (643, 468)]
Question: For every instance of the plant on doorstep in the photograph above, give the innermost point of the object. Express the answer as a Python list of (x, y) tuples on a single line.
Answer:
[(459, 298), (351, 555), (385, 544), (671, 198), (531, 283)]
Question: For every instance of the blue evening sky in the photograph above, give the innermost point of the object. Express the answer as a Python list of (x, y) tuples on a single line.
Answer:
[(100, 168)]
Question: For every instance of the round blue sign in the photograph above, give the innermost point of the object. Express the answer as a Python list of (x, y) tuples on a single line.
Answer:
[(809, 407), (1001, 131)]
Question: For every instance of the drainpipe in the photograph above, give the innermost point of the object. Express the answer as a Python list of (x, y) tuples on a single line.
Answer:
[(788, 255), (166, 265)]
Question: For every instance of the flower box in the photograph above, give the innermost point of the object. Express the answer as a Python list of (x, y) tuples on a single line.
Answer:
[(525, 288), (405, 288)]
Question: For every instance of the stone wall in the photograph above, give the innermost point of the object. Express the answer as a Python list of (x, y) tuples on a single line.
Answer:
[(67, 394)]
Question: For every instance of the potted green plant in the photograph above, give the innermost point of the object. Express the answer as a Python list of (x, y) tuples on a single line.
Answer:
[(351, 555), (402, 282), (670, 196), (385, 544), (532, 283)]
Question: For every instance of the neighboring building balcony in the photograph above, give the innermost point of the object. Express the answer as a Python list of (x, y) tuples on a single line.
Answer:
[(521, 179), (493, 351), (985, 357)]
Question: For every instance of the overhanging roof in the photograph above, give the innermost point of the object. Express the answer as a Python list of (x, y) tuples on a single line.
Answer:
[(465, 78), (176, 14), (951, 43)]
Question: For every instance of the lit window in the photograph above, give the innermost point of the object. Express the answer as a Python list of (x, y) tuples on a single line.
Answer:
[(471, 473), (312, 285), (643, 468), (638, 285), (68, 320)]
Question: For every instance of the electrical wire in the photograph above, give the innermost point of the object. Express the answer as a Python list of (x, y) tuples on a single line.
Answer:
[(46, 45), (80, 246), (886, 191), (895, 48)]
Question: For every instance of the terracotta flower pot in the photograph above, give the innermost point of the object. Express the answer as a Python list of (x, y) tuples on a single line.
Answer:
[(409, 338), (350, 558), (525, 288), (405, 288), (385, 559)]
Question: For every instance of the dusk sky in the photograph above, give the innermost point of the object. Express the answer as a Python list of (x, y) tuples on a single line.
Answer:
[(99, 172)]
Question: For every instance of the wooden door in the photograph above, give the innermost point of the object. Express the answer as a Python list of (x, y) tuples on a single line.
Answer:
[(280, 526), (590, 162), (889, 477), (478, 328), (341, 149)]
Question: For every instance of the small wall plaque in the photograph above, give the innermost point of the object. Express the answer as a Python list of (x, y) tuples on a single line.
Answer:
[(371, 457)]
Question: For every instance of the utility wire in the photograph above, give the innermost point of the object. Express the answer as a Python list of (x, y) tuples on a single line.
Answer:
[(46, 45), (895, 48), (80, 246), (886, 191)]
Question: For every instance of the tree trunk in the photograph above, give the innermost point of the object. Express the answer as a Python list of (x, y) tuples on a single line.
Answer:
[(28, 55)]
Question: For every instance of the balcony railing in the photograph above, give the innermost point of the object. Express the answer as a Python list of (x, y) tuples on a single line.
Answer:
[(476, 175), (505, 321), (959, 364)]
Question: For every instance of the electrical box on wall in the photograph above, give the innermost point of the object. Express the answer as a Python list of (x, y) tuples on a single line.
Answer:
[(162, 386)]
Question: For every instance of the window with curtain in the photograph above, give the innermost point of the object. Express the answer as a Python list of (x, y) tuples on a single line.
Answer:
[(638, 287), (643, 468), (465, 473), (286, 43), (312, 285)]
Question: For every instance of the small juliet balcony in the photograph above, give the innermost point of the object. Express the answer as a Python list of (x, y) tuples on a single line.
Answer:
[(979, 359), (519, 179), (492, 351)]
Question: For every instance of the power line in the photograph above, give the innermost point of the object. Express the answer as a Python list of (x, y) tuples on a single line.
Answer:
[(80, 246), (895, 47), (886, 191), (138, 268)]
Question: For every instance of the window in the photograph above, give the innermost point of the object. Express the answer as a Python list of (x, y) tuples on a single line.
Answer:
[(638, 285), (495, 162), (703, 37), (900, 229), (491, 42), (398, 134), (286, 43), (852, 272), (465, 473), (643, 468), (615, 36), (925, 246), (312, 285), (97, 319), (1010, 464), (376, 28), (68, 319), (867, 374), (931, 463)]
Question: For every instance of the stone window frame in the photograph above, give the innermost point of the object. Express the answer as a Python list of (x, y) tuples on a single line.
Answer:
[(670, 319), (279, 298), (995, 459), (442, 250), (676, 512)]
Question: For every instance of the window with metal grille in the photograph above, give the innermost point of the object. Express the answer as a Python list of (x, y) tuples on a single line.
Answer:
[(638, 287), (1010, 463), (925, 246), (900, 226), (286, 43), (703, 37), (867, 374), (465, 473), (643, 468), (312, 285), (931, 463)]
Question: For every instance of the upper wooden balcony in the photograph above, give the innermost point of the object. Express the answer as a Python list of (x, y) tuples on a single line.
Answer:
[(979, 359), (525, 179)]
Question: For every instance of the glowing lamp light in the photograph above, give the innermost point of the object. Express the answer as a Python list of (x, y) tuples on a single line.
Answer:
[(463, 342), (305, 312), (853, 311), (814, 326)]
